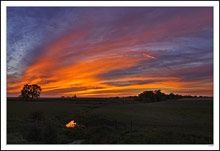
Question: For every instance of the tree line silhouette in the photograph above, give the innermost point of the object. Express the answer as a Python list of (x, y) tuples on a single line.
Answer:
[(156, 96), (32, 91)]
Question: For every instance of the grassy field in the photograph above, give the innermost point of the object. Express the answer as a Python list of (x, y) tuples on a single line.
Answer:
[(188, 121)]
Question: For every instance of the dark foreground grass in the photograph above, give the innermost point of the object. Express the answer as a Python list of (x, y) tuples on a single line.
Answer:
[(168, 122)]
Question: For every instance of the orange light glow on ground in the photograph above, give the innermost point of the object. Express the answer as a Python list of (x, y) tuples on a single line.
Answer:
[(71, 124)]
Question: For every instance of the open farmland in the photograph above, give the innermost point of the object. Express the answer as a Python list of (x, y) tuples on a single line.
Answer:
[(109, 121)]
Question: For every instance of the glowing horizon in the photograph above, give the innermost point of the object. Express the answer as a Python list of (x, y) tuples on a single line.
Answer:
[(107, 52)]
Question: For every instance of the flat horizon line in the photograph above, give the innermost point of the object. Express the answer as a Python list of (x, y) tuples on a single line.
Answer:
[(97, 97)]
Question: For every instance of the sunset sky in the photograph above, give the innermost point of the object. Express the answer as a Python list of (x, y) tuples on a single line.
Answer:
[(107, 51)]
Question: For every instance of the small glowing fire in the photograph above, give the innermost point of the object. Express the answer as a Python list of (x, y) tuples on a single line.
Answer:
[(71, 124)]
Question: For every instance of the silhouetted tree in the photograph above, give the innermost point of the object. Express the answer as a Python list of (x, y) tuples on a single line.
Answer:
[(74, 98), (30, 91), (159, 95), (171, 96), (147, 96), (152, 96)]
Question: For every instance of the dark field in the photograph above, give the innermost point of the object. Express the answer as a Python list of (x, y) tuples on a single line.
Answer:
[(110, 121)]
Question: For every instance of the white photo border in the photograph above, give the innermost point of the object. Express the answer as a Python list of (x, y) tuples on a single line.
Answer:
[(214, 4)]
